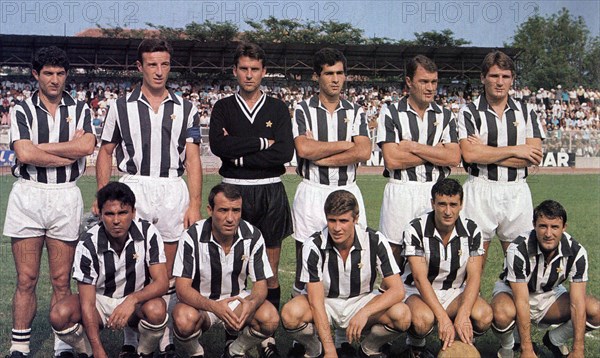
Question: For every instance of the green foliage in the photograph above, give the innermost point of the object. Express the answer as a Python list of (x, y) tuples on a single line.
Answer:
[(435, 38), (555, 51)]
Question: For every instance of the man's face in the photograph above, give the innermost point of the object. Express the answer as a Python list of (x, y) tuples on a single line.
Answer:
[(226, 216), (446, 210), (341, 228), (497, 83), (331, 79), (51, 81), (549, 231), (422, 87), (155, 69), (117, 218), (249, 73)]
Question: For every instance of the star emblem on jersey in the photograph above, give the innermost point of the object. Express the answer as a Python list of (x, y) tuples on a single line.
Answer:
[(173, 116), (136, 256), (346, 120), (244, 257), (460, 252), (516, 123), (360, 265), (69, 119), (269, 124), (435, 124), (559, 270)]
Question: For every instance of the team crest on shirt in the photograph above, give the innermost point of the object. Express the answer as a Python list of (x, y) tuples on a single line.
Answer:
[(460, 252), (436, 123), (244, 257), (516, 123), (69, 119), (136, 256), (173, 116), (269, 124), (346, 120), (360, 265), (559, 270)]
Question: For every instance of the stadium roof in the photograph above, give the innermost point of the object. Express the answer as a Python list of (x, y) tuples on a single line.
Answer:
[(216, 57)]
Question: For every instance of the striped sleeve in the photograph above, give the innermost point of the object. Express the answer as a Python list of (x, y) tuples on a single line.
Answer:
[(450, 132), (475, 239), (466, 123), (20, 128), (359, 125), (259, 267), (412, 241), (299, 121), (193, 134), (155, 253), (84, 270), (85, 118), (534, 125), (110, 130), (516, 268), (311, 263), (385, 258), (386, 132), (579, 270), (184, 264)]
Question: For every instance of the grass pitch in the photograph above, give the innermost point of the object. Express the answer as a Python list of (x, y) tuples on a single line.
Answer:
[(579, 194)]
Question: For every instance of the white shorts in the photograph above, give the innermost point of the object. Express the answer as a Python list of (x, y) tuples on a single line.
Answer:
[(162, 201), (106, 305), (501, 208), (37, 209), (341, 310), (402, 202), (232, 305), (539, 303), (445, 297), (308, 213)]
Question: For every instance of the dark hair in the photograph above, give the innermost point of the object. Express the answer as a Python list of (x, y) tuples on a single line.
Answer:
[(550, 209), (153, 45), (115, 191), (497, 58), (447, 186), (327, 56), (420, 60), (340, 202), (50, 56), (251, 50), (231, 192)]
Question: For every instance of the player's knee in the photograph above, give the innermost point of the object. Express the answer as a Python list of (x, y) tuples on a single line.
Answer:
[(400, 316), (185, 320), (422, 320), (59, 315), (482, 315), (593, 311), (267, 319), (291, 315), (60, 283), (26, 282), (155, 311), (503, 313)]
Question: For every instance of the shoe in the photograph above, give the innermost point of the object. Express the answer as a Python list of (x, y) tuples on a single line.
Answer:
[(557, 352), (66, 354), (296, 351), (128, 351), (346, 351), (268, 349), (16, 354), (419, 352), (226, 353), (506, 353), (169, 352), (362, 354)]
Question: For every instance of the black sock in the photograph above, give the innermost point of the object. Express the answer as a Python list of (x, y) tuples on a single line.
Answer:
[(274, 296)]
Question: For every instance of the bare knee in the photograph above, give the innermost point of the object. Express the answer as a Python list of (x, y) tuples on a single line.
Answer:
[(266, 319), (400, 316), (26, 282), (482, 316), (185, 320), (503, 310), (422, 320), (593, 311), (154, 311), (291, 314), (65, 313)]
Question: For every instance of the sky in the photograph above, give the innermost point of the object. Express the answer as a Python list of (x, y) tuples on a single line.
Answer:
[(484, 23)]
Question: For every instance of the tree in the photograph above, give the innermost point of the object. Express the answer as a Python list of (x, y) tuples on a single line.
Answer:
[(434, 38), (591, 64), (554, 49)]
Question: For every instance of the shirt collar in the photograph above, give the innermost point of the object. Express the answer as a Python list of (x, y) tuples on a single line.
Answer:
[(564, 249), (66, 99), (137, 95), (356, 245), (342, 104), (430, 230), (484, 105), (104, 245), (403, 106)]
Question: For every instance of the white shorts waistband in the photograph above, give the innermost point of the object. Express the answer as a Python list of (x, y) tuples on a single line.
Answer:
[(486, 180), (263, 181), (325, 186), (144, 178), (36, 184), (412, 182)]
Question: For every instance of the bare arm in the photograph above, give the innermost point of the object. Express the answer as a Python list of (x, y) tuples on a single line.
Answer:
[(312, 149), (521, 297), (360, 152), (103, 170), (76, 148), (419, 269), (316, 300), (521, 155), (29, 153), (462, 321), (250, 304), (193, 166), (578, 316), (408, 154), (89, 317)]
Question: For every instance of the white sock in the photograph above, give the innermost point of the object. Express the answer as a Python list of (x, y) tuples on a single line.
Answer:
[(75, 337), (561, 334), (60, 346), (171, 300), (379, 335), (20, 340), (190, 345), (246, 340), (340, 337), (150, 335), (296, 291), (307, 336), (506, 336)]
